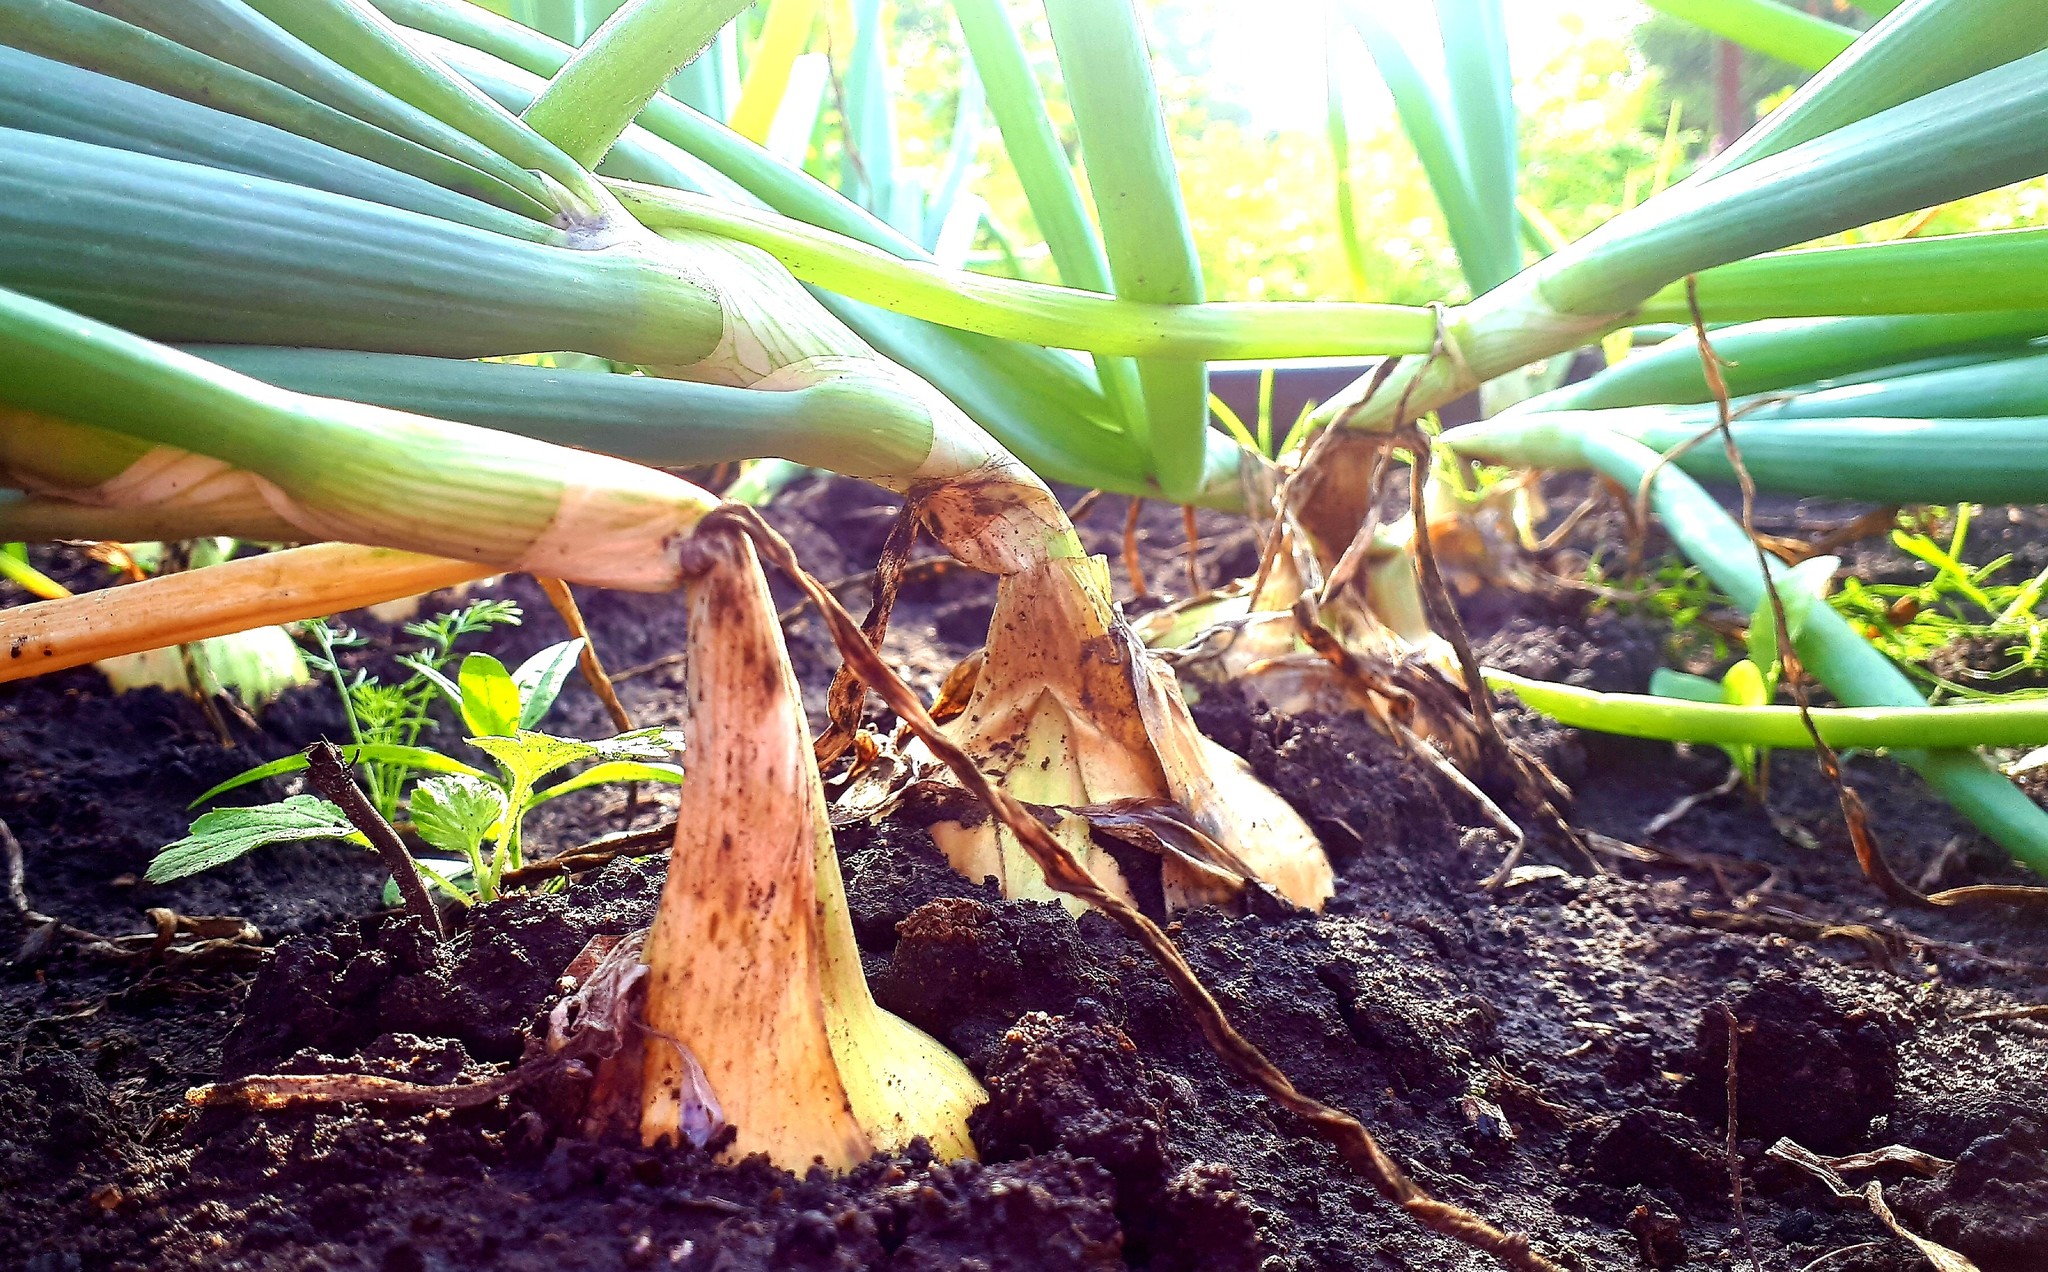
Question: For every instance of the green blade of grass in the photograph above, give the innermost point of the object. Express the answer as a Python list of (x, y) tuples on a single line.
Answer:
[(1026, 395), (1982, 133), (240, 36), (1973, 136), (648, 419), (1943, 274), (711, 82), (357, 36), (1035, 312), (1129, 161), (40, 95), (1790, 35), (1829, 648), (620, 68), (1338, 129), (1977, 389), (337, 469), (868, 162)]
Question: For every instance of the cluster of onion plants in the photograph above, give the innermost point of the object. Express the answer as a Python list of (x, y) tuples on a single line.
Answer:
[(268, 268)]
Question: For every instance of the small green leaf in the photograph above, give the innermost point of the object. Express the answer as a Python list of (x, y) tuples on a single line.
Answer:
[(541, 677), (1803, 584), (455, 814), (1744, 686), (453, 878), (424, 670), (224, 834), (417, 757), (611, 771), (1666, 683), (490, 701)]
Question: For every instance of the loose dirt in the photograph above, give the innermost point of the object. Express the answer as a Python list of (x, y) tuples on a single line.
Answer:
[(1552, 1053)]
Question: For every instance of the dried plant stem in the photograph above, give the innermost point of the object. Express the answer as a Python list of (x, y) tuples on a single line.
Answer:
[(1734, 1155), (1131, 562), (327, 773), (564, 601), (1066, 874), (1868, 854)]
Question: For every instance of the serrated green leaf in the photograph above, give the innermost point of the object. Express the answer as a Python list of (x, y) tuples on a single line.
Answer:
[(417, 757), (656, 745), (527, 756), (611, 771), (490, 700), (224, 834), (541, 677), (455, 814)]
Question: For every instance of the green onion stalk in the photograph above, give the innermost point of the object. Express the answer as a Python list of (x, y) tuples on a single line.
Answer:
[(1643, 715), (116, 238), (1828, 647), (1998, 460), (1828, 162)]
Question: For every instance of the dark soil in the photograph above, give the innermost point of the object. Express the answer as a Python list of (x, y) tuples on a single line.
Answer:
[(1552, 1054)]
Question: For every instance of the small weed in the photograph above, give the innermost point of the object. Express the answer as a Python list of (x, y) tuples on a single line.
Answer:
[(472, 816), (1915, 624)]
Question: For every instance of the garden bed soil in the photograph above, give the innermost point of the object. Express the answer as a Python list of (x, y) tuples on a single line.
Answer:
[(1552, 1053)]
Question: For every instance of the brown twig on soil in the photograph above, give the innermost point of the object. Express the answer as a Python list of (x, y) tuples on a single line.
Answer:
[(1083, 506), (1132, 566), (282, 1090), (1826, 1171), (1443, 614), (1868, 854), (598, 852), (1066, 874), (1194, 537), (1686, 803), (1733, 1153), (327, 773), (564, 601)]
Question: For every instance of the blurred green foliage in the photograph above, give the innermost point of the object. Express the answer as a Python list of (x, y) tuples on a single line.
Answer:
[(1261, 200)]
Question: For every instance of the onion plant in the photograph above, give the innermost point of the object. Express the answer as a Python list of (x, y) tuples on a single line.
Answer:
[(308, 192), (253, 250)]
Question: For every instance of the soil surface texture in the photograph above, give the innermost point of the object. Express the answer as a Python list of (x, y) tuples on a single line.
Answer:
[(1552, 1052)]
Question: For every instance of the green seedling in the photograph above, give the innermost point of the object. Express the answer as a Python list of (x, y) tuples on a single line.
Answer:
[(382, 715), (1677, 595), (1961, 604), (472, 816), (1752, 681)]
